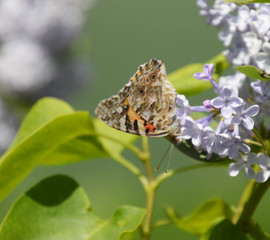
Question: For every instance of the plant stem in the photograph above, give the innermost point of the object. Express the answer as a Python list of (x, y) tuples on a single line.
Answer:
[(259, 137), (248, 203), (147, 224), (170, 173), (150, 191)]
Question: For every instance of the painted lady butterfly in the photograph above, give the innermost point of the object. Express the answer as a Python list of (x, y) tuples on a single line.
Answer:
[(145, 106)]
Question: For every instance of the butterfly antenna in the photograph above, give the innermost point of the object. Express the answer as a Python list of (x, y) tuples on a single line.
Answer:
[(161, 161), (169, 161)]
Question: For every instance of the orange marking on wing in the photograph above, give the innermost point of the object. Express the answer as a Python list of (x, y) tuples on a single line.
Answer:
[(149, 126), (131, 113)]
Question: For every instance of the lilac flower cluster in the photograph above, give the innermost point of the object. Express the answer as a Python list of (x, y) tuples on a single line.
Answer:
[(241, 105), (233, 132), (246, 34), (245, 31)]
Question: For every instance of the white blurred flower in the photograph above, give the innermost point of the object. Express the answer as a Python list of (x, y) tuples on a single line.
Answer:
[(34, 35), (233, 82), (53, 23), (263, 58), (24, 66), (7, 126)]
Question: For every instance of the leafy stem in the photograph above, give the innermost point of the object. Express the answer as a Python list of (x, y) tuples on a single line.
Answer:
[(150, 191), (259, 137), (170, 173), (249, 201)]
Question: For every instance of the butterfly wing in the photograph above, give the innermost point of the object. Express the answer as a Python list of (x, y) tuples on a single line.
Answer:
[(145, 106)]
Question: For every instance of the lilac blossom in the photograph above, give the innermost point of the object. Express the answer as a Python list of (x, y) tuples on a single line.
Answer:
[(213, 142), (264, 164), (240, 104), (235, 145), (258, 87), (226, 139), (263, 58), (245, 31), (243, 116), (192, 130), (262, 96), (183, 108), (207, 73), (234, 82), (243, 163), (226, 102)]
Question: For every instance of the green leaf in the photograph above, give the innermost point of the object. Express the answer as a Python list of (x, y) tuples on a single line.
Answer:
[(113, 147), (57, 208), (253, 72), (224, 230), (44, 132), (125, 220), (78, 149), (41, 113), (247, 1), (47, 109), (201, 219), (186, 84)]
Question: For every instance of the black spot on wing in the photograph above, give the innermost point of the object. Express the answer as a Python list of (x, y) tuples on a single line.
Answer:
[(135, 125), (127, 123)]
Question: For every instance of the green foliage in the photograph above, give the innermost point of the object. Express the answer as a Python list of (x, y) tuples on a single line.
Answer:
[(58, 208), (202, 218), (253, 72), (223, 230), (186, 84), (51, 125)]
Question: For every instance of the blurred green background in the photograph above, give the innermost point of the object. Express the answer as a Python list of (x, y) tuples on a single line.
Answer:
[(118, 37)]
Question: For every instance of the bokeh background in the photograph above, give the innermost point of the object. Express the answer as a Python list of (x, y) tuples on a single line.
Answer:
[(85, 51)]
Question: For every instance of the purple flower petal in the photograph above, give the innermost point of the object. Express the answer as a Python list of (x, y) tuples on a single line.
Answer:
[(236, 101), (196, 140), (257, 87), (252, 110), (207, 73), (226, 92), (227, 111), (234, 169), (252, 158), (244, 148), (263, 161), (261, 176), (233, 152), (248, 123), (208, 69), (249, 172), (218, 102)]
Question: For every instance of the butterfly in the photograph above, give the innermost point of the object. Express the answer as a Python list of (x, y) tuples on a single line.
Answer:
[(145, 106)]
